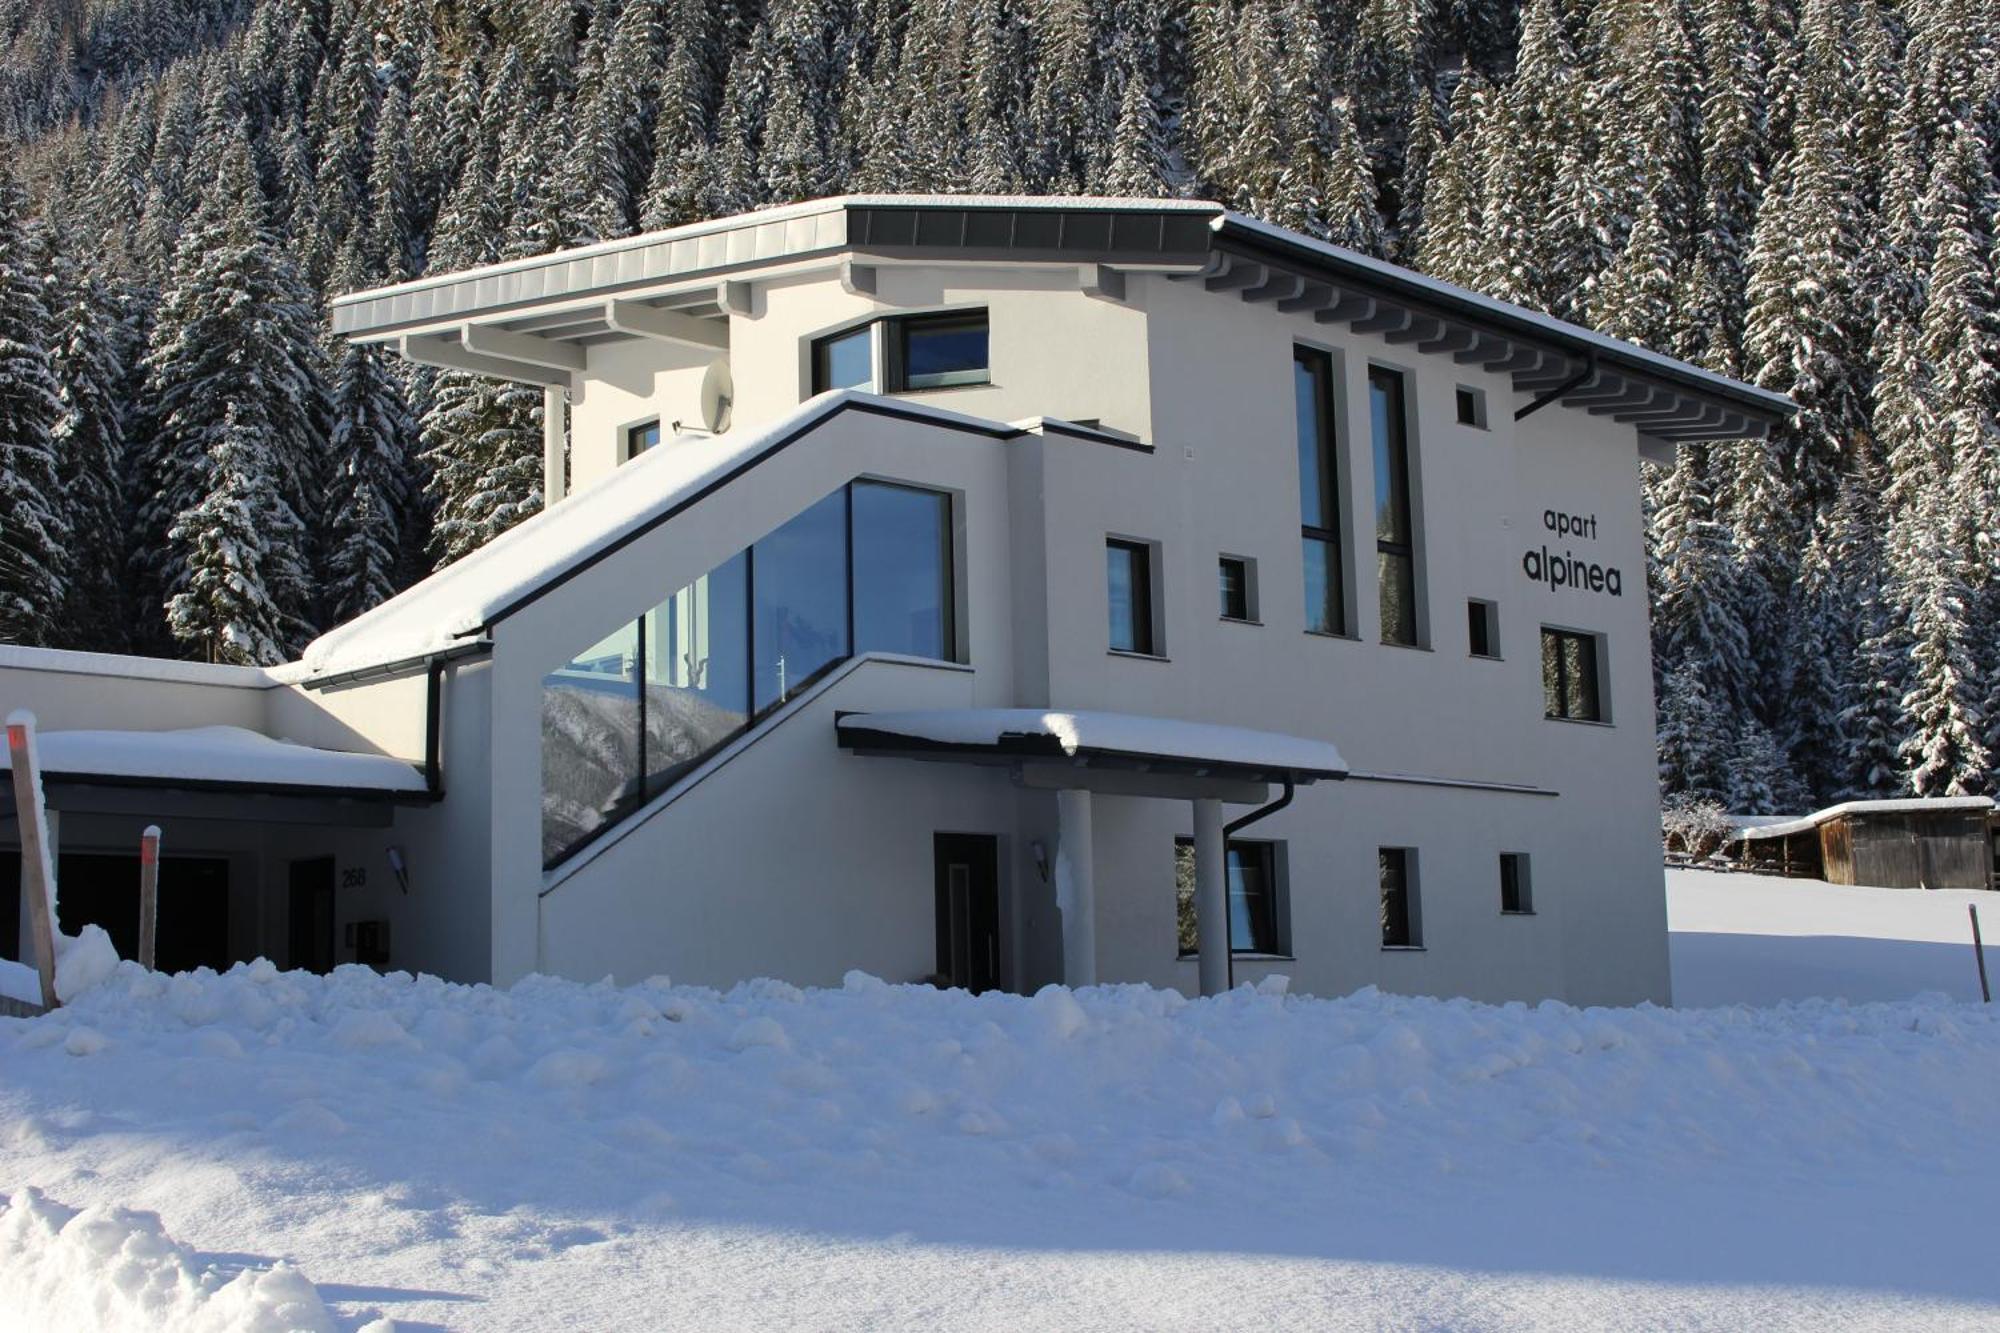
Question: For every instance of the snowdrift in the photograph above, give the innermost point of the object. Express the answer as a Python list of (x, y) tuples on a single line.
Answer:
[(657, 1156)]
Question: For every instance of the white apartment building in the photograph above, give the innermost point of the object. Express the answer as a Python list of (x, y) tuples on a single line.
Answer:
[(1003, 591)]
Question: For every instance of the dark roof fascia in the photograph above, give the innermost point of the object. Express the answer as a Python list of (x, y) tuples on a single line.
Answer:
[(1438, 300)]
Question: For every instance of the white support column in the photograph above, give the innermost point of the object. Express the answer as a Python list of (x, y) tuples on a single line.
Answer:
[(1211, 896), (555, 403), (1076, 888)]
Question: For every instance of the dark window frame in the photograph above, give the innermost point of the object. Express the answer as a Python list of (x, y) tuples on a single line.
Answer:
[(1145, 632), (1517, 884), (1276, 930), (1394, 385), (1247, 589), (1318, 363), (632, 433), (1401, 900), (1482, 627), (1557, 703), (896, 348), (1471, 404), (820, 353)]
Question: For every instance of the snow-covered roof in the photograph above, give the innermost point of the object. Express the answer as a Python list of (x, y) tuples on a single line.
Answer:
[(476, 319), (461, 601), (1751, 828), (1090, 734), (217, 754), (134, 668)]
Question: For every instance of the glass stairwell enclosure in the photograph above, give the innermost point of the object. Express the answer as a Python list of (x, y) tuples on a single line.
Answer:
[(867, 569)]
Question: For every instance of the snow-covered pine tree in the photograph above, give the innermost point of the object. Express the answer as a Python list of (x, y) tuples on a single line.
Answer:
[(369, 494), (1694, 747), (89, 436), (235, 541), (1945, 752), (33, 534), (1761, 782), (234, 339)]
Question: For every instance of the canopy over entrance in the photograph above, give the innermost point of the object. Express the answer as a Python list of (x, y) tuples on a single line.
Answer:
[(1072, 743), (1078, 754)]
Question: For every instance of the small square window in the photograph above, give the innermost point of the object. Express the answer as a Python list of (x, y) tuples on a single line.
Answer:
[(1402, 926), (1237, 584), (1256, 906), (640, 438), (1571, 689), (1483, 628), (1128, 567), (1516, 897), (1471, 407), (939, 351)]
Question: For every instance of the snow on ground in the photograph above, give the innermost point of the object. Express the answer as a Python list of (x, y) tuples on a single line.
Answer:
[(1757, 939), (325, 1152)]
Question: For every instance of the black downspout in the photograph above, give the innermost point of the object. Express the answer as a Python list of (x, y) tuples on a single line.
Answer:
[(433, 728), (1229, 831)]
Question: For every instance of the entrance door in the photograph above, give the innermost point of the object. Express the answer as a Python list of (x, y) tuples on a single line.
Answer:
[(968, 910), (312, 914)]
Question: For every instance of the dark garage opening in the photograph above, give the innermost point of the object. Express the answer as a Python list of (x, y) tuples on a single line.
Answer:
[(102, 889)]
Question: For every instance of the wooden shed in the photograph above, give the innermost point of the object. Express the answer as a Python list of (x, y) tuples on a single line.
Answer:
[(1922, 843)]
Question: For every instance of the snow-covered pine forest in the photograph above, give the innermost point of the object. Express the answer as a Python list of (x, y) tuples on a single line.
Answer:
[(1800, 194)]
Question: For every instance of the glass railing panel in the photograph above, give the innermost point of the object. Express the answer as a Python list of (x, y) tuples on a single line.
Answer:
[(799, 601)]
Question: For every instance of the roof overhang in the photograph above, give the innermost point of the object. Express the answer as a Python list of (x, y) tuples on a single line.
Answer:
[(1669, 402), (533, 320)]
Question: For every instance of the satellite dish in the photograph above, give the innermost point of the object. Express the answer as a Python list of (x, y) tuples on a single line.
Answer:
[(718, 396)]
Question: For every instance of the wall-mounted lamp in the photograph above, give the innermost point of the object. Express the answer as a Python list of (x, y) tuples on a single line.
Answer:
[(399, 868), (1041, 855)]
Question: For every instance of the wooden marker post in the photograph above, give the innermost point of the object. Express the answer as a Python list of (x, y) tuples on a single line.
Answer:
[(35, 869), (149, 893), (1979, 954)]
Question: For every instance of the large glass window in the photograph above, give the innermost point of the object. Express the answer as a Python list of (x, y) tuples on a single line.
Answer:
[(1253, 898), (591, 726), (939, 351), (1395, 535), (902, 571), (1569, 676), (697, 676), (844, 360), (1319, 490), (630, 715), (799, 607), (1128, 568)]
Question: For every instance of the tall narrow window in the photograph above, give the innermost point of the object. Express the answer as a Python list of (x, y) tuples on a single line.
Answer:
[(1128, 568), (1400, 927), (640, 438), (1237, 580), (1395, 534), (844, 360), (1483, 628), (1569, 676), (1514, 887), (1319, 490)]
